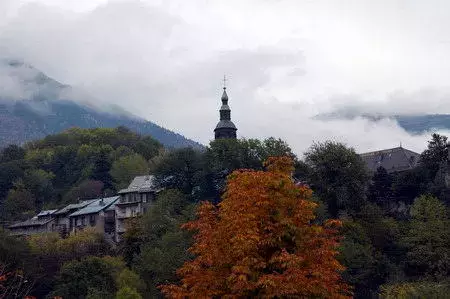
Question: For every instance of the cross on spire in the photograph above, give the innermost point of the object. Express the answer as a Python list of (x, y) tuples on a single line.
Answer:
[(224, 82)]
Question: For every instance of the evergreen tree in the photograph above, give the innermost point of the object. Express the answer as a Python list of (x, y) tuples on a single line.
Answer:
[(428, 239)]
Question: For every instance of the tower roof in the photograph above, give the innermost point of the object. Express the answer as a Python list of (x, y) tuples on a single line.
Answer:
[(224, 95), (225, 128), (225, 124)]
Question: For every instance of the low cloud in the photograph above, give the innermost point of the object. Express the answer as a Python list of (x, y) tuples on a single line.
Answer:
[(164, 60)]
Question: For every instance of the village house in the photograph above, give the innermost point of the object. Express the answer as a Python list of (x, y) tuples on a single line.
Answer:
[(99, 214), (105, 215), (134, 201), (62, 222), (40, 223)]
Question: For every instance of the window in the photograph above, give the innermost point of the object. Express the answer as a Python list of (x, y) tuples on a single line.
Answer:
[(92, 220)]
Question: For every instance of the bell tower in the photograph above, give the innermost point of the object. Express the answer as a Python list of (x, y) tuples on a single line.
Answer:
[(225, 127)]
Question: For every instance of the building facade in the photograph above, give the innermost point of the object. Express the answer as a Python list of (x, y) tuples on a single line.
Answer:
[(105, 215), (134, 201), (40, 223), (99, 215), (62, 223)]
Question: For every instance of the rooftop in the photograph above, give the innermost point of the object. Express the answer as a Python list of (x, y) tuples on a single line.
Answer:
[(46, 213), (225, 124), (96, 206), (393, 160), (144, 183), (74, 206), (31, 222)]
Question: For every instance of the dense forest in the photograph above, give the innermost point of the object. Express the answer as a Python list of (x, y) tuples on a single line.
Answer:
[(391, 238)]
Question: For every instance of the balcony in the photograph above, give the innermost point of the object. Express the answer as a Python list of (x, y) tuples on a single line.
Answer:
[(129, 202), (123, 215)]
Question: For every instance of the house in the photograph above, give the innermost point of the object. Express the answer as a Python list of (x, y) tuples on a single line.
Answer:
[(40, 223), (134, 201), (61, 216), (99, 214), (393, 160)]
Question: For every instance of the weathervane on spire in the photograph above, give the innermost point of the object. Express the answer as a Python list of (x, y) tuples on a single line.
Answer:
[(224, 82)]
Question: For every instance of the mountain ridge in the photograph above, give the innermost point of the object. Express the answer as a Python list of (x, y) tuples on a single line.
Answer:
[(413, 124), (34, 105)]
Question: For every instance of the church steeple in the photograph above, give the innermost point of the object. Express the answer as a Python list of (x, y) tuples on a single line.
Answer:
[(225, 128)]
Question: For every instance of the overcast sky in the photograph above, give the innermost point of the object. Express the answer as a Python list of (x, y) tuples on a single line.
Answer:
[(286, 61)]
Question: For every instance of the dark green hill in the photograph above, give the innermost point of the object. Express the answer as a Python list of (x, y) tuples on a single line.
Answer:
[(37, 106)]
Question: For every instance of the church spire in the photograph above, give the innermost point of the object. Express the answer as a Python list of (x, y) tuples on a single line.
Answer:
[(225, 128)]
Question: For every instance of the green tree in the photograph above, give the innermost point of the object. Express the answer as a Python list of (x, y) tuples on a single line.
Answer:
[(89, 276), (101, 167), (127, 293), (380, 189), (223, 156), (436, 153), (85, 190), (358, 256), (273, 147), (181, 169), (39, 183), (163, 244), (19, 204), (10, 172), (147, 147), (338, 176), (17, 268), (415, 290), (126, 168), (428, 238), (11, 153)]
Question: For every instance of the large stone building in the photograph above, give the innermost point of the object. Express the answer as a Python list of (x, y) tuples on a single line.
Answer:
[(134, 201), (393, 160), (225, 128)]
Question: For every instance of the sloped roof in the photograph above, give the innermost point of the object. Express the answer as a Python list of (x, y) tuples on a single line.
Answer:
[(46, 213), (393, 160), (96, 206), (74, 206), (31, 222), (228, 124), (143, 183)]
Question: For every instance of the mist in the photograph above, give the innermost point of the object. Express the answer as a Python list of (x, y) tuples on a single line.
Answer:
[(164, 61)]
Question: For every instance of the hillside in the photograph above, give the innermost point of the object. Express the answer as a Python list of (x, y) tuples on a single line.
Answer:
[(32, 106)]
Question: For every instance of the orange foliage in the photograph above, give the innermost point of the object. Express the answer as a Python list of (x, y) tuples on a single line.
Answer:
[(260, 242)]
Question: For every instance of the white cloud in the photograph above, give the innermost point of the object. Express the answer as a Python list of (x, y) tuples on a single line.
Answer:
[(287, 61)]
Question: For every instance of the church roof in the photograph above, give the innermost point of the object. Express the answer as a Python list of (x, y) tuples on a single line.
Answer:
[(225, 107), (224, 94), (393, 160), (225, 124)]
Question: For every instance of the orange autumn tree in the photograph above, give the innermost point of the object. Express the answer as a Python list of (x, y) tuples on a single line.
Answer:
[(260, 242)]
